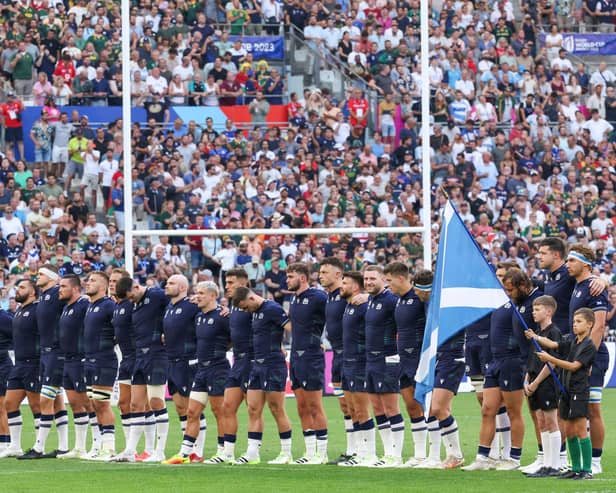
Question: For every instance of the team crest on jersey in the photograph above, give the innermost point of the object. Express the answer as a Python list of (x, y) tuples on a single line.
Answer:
[(351, 311), (578, 294), (305, 301), (260, 317), (508, 305), (96, 309), (122, 311), (26, 314), (557, 278), (70, 312), (337, 298), (210, 321), (410, 301), (178, 311), (522, 309), (379, 306), (146, 301), (47, 297)]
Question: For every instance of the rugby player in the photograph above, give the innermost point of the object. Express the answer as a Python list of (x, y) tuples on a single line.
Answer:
[(354, 370), (101, 366), (268, 375), (24, 379), (330, 277), (150, 372), (212, 341), (120, 284), (71, 344), (181, 344), (448, 374), (52, 361), (6, 342), (307, 316), (504, 383), (478, 355), (521, 291), (383, 366), (579, 264), (410, 322), (240, 328)]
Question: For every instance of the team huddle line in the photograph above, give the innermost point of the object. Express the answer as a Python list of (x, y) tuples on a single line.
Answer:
[(374, 321)]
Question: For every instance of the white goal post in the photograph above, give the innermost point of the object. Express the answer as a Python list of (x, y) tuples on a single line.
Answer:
[(129, 224)]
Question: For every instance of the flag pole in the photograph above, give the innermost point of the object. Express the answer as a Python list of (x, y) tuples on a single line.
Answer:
[(515, 308)]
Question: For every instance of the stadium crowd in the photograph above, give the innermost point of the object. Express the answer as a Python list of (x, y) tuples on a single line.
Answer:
[(520, 139)]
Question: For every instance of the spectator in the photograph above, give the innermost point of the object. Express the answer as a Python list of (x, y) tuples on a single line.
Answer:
[(259, 108)]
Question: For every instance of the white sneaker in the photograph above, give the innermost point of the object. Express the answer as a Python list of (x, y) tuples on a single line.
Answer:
[(104, 456), (453, 462), (481, 464), (350, 462), (11, 452), (360, 461), (281, 459), (73, 454), (596, 466), (533, 467), (413, 462), (92, 454), (388, 461), (155, 458), (245, 460), (217, 459), (508, 465), (429, 464), (316, 459), (124, 457)]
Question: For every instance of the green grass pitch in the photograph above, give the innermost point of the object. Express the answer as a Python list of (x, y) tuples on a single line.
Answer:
[(50, 476)]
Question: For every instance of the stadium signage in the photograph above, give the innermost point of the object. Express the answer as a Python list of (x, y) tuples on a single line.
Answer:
[(262, 47), (587, 44)]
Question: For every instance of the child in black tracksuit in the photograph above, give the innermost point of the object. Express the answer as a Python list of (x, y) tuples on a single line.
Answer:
[(541, 389), (573, 405)]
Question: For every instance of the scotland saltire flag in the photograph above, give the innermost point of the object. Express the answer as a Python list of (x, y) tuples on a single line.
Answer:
[(464, 289)]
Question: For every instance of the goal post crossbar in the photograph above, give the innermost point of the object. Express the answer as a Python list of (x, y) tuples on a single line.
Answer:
[(280, 231)]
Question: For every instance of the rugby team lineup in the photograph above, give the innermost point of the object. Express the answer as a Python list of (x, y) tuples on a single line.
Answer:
[(65, 330)]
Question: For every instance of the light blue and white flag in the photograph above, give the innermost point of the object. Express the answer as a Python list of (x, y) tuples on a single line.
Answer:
[(464, 289)]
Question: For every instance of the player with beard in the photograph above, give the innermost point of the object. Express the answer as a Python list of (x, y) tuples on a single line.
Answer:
[(181, 344), (354, 370), (101, 361), (72, 346), (383, 365), (212, 338), (24, 379), (52, 360), (307, 366)]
